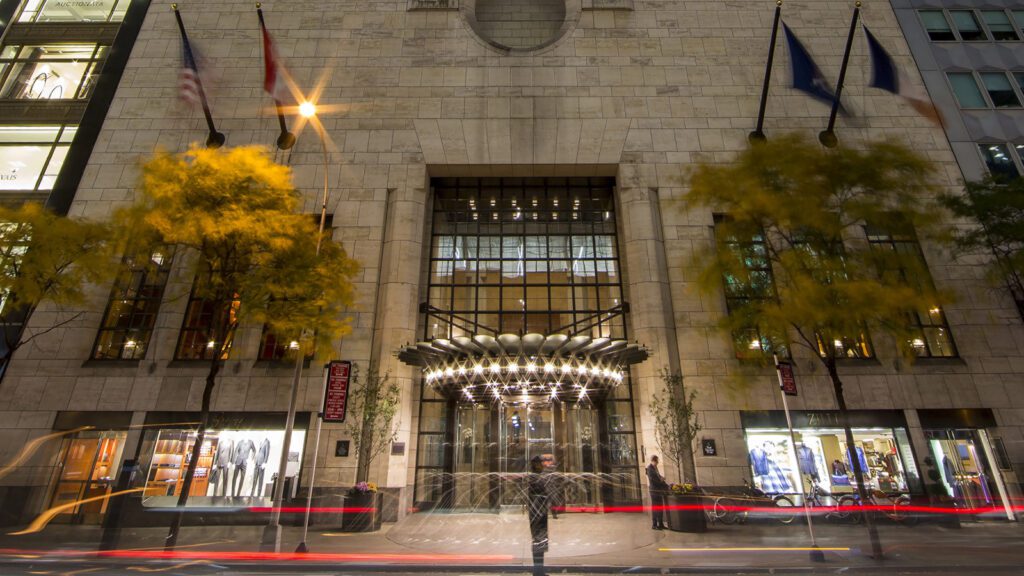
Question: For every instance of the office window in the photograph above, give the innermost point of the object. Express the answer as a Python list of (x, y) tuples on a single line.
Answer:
[(930, 336), (134, 302), (1018, 18), (999, 25), (966, 90), (31, 156), (819, 255), (755, 283), (50, 71), (967, 25), (203, 318), (937, 26), (997, 158), (999, 89), (73, 11)]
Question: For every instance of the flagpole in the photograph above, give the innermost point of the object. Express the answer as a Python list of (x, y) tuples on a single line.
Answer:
[(286, 139), (215, 139), (828, 136), (758, 134)]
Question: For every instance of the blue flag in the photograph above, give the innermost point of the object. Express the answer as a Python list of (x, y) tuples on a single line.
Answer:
[(885, 75), (807, 77)]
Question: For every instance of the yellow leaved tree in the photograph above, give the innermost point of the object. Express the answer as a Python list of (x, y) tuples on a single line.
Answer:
[(233, 215)]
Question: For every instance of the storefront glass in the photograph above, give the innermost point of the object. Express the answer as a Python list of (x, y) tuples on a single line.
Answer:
[(962, 459), (234, 465), (88, 469), (73, 10), (821, 456)]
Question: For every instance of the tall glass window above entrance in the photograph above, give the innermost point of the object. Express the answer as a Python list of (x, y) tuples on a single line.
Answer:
[(521, 255)]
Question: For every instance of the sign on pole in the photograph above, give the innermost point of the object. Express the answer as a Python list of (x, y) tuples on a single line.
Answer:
[(336, 394), (786, 379)]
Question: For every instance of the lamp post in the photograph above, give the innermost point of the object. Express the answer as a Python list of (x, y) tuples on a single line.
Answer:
[(272, 532)]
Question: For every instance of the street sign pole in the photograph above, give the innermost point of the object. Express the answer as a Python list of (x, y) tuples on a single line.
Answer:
[(787, 387), (335, 390)]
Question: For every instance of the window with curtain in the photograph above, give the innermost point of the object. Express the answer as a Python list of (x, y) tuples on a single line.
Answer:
[(967, 25), (937, 26), (968, 95), (999, 25), (1000, 90)]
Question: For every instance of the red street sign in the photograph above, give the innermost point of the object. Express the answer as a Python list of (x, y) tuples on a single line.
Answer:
[(336, 398), (786, 379)]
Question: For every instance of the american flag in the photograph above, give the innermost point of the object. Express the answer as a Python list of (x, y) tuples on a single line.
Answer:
[(188, 84)]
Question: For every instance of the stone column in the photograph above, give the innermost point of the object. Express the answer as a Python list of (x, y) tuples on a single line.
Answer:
[(397, 310), (651, 315)]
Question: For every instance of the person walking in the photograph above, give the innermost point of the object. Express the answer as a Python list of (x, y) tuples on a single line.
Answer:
[(659, 488), (554, 483), (537, 498)]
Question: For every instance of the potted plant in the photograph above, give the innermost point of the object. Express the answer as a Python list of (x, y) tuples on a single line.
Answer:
[(362, 508), (685, 503)]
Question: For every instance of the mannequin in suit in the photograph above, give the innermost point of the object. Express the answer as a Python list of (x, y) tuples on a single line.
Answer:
[(244, 449), (221, 464), (262, 455)]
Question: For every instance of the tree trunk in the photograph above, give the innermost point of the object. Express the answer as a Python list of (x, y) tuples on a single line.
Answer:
[(851, 450), (688, 465), (190, 472)]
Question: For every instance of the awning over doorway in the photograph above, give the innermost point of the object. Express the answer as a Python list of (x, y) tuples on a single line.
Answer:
[(528, 368)]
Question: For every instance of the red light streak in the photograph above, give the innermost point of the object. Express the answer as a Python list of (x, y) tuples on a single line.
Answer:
[(270, 556)]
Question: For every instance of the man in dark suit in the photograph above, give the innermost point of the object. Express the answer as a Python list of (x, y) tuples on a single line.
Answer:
[(658, 487)]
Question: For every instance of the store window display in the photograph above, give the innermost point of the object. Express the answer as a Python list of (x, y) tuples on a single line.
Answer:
[(963, 460), (232, 466), (821, 457)]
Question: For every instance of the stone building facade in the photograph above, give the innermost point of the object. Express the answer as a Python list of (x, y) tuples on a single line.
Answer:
[(608, 99)]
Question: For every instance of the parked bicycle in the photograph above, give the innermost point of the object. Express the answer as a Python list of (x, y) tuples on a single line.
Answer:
[(734, 509), (836, 506), (895, 507)]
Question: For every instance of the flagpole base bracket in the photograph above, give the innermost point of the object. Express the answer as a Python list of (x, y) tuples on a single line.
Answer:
[(828, 138), (215, 140), (286, 140), (756, 136)]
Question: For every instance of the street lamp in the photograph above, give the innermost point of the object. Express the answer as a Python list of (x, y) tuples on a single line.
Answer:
[(272, 532)]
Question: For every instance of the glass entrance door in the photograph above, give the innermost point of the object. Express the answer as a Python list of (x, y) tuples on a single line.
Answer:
[(88, 469), (964, 467)]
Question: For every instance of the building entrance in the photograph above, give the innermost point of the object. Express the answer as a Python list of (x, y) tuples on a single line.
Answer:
[(525, 352), (494, 445)]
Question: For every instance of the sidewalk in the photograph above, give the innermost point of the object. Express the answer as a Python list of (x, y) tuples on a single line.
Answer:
[(579, 543)]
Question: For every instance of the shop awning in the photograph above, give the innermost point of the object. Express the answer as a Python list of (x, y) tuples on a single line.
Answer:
[(528, 368)]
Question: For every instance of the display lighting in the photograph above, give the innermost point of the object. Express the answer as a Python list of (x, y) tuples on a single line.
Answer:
[(531, 367), (495, 368), (549, 367), (478, 369)]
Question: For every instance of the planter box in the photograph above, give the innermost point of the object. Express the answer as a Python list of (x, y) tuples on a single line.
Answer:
[(685, 520), (363, 513)]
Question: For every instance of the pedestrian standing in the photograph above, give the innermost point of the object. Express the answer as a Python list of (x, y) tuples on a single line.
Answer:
[(537, 497), (659, 488)]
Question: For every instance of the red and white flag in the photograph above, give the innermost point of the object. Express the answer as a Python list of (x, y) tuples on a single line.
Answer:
[(273, 78)]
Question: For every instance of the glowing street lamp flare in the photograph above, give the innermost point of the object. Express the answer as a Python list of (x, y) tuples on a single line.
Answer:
[(307, 109)]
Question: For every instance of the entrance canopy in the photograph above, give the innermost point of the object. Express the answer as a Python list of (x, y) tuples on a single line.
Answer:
[(531, 368)]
